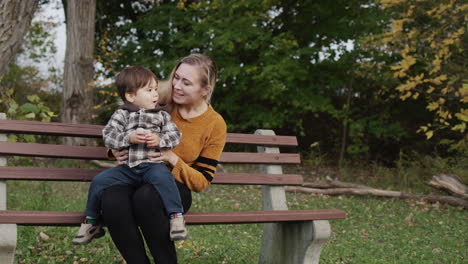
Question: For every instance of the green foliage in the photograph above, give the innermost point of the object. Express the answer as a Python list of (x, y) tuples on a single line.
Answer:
[(21, 99), (283, 65), (21, 93), (39, 43)]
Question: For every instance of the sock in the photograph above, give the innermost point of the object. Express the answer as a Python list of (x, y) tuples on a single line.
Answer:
[(175, 215), (91, 220)]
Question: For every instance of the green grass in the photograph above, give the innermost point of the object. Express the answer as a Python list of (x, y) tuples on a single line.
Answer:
[(376, 230)]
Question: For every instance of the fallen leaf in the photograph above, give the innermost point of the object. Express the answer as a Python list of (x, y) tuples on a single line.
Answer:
[(44, 236)]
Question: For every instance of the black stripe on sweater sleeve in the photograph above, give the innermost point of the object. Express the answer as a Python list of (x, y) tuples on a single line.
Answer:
[(204, 171), (207, 161)]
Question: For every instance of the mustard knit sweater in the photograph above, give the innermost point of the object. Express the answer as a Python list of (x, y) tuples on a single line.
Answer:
[(203, 140)]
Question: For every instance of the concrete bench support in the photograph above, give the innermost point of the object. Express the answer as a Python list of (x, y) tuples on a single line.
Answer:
[(295, 242), (7, 231)]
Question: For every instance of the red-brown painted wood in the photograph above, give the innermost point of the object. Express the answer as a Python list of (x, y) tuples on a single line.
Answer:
[(244, 217), (258, 178), (261, 139), (84, 130), (76, 174), (43, 218), (53, 128), (52, 151), (260, 158), (99, 153)]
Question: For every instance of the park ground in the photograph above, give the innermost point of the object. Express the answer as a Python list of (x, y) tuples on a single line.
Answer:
[(376, 230)]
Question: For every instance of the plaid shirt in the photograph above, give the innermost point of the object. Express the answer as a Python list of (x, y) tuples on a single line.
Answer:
[(127, 119)]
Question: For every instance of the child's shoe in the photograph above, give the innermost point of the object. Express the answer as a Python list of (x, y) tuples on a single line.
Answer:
[(88, 232), (178, 230)]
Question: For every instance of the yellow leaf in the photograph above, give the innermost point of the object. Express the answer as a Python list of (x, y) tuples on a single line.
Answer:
[(407, 62), (439, 80), (463, 115), (444, 114), (402, 87), (397, 25), (431, 89), (399, 74), (433, 106), (429, 134), (464, 90), (415, 96), (460, 127), (448, 41), (405, 96)]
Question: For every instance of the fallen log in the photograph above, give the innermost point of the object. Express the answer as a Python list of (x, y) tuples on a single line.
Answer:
[(335, 187), (330, 183), (449, 183), (104, 164)]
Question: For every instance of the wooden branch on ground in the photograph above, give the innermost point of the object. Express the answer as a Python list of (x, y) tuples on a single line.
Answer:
[(335, 187), (330, 183), (449, 183), (104, 164)]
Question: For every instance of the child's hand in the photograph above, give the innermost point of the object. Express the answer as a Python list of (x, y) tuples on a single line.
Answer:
[(137, 137), (152, 140)]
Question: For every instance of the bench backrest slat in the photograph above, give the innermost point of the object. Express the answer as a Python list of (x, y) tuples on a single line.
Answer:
[(99, 153), (83, 130), (43, 128), (76, 174), (52, 151)]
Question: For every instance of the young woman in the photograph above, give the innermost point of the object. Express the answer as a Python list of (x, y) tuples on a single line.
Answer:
[(193, 162)]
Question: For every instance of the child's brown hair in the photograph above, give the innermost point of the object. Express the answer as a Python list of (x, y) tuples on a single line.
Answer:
[(132, 78)]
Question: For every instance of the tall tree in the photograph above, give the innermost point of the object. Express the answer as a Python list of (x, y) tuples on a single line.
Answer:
[(15, 19), (431, 40), (79, 70)]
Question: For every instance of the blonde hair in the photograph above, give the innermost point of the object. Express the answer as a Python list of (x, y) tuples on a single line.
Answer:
[(208, 73), (165, 92)]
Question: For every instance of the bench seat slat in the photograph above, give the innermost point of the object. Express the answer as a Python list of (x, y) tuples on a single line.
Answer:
[(76, 174), (95, 131), (99, 153), (240, 217)]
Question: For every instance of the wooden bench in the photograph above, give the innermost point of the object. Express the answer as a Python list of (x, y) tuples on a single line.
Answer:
[(289, 236)]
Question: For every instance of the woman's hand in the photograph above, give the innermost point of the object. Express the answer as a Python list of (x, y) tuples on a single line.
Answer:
[(120, 156), (164, 155)]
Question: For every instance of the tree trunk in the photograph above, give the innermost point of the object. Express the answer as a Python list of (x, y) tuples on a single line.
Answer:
[(79, 71), (344, 135), (15, 20)]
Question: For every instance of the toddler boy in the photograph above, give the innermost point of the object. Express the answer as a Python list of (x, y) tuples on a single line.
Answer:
[(141, 125)]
